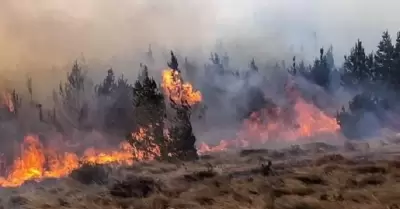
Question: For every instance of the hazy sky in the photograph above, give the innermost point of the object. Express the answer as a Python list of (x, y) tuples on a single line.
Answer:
[(39, 33)]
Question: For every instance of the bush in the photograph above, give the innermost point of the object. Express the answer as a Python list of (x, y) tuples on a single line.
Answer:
[(135, 186), (91, 174)]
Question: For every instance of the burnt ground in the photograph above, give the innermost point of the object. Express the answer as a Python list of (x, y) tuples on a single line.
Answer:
[(310, 176)]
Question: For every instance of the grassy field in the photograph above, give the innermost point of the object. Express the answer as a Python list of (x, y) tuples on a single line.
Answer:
[(313, 176)]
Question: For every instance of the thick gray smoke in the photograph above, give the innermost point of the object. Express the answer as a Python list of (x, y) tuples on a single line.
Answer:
[(42, 38), (41, 34)]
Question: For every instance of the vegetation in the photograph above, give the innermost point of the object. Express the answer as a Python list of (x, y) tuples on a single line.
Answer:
[(117, 107)]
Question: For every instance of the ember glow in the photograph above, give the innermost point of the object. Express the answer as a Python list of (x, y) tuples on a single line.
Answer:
[(178, 90)]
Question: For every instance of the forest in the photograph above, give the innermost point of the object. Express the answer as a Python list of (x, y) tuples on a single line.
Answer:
[(164, 117)]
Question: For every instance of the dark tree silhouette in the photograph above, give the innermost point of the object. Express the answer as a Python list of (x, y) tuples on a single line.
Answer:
[(174, 62), (348, 118), (30, 88), (115, 104), (183, 141), (73, 105), (383, 65), (358, 67), (253, 66), (149, 114), (395, 73), (320, 71), (330, 61), (109, 85)]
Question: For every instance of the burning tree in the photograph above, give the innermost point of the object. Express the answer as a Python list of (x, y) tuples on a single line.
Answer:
[(182, 144), (149, 114)]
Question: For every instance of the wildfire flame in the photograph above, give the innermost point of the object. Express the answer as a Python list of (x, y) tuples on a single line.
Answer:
[(148, 148), (37, 162), (259, 128), (178, 90)]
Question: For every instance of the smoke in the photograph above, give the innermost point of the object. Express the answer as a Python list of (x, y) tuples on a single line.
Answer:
[(42, 38), (41, 34)]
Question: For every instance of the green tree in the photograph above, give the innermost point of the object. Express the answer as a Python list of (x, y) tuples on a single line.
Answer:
[(109, 85), (330, 59), (183, 140), (395, 73), (73, 106), (320, 71), (358, 67), (149, 114), (384, 58), (115, 99), (182, 144), (348, 118)]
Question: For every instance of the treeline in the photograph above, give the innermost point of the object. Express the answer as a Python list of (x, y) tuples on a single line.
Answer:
[(164, 125), (156, 126)]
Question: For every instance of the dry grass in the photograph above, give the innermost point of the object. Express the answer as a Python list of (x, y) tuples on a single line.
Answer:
[(230, 180)]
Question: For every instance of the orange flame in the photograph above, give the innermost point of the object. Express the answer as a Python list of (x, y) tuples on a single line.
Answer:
[(37, 162), (177, 90), (149, 149), (308, 121)]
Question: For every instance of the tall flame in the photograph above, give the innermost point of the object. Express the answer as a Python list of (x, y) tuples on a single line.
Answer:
[(178, 90)]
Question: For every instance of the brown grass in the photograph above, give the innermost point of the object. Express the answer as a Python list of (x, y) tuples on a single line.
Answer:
[(223, 181)]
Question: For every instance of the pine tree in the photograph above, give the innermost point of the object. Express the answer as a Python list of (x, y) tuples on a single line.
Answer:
[(304, 70), (384, 58), (115, 104), (357, 68), (174, 62), (217, 64), (72, 97), (358, 106), (149, 115), (150, 58), (182, 144), (183, 139), (293, 70), (320, 71), (329, 58), (108, 85), (395, 73)]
